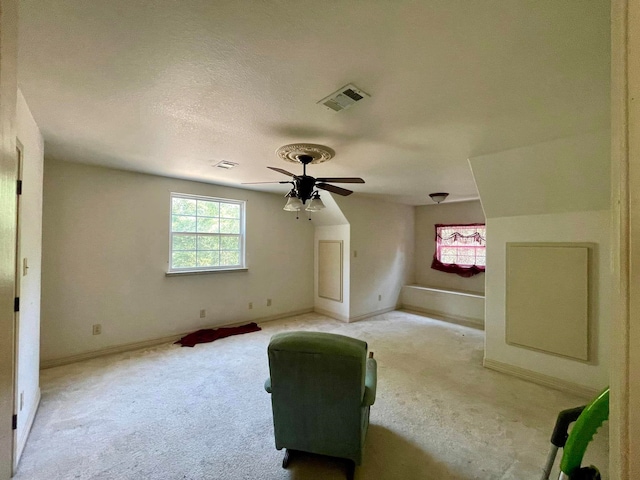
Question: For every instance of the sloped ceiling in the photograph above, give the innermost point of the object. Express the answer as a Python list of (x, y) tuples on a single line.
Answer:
[(566, 175), (172, 88)]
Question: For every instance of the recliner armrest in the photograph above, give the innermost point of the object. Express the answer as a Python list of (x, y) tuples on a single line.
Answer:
[(370, 383), (267, 385)]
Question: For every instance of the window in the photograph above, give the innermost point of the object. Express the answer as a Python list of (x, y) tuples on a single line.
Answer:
[(207, 233), (460, 249)]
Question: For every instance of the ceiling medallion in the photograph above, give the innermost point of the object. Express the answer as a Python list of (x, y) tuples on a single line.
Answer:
[(292, 152)]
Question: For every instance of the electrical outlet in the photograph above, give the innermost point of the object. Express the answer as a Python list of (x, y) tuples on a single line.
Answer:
[(97, 329), (250, 305), (21, 400), (268, 302), (379, 298), (355, 254), (203, 313)]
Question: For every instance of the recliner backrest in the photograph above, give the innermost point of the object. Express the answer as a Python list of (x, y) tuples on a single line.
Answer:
[(317, 382)]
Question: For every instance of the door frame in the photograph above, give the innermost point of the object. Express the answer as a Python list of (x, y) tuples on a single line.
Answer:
[(8, 94), (17, 404), (624, 417)]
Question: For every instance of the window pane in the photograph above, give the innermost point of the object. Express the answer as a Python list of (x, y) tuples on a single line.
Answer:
[(462, 245), (183, 259), (208, 225), (229, 226), (448, 252), (208, 209), (230, 243), (182, 223), (183, 206), (465, 261), (184, 242), (230, 210), (206, 233), (208, 259), (208, 242), (229, 258)]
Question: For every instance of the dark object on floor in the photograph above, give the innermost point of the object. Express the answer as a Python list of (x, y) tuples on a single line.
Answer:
[(351, 466), (210, 334)]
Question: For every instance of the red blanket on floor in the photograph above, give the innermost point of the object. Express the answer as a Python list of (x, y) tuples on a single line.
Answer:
[(210, 334)]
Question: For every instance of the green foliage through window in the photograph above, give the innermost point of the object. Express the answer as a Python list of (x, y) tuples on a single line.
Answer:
[(206, 233)]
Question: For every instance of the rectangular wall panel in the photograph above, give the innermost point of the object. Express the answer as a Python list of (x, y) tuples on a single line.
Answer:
[(330, 269), (548, 297)]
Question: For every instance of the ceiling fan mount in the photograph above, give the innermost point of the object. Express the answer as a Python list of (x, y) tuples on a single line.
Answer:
[(300, 153), (305, 159)]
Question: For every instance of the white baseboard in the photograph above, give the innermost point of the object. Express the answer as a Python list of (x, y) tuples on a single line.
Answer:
[(24, 434), (333, 315), (345, 319), (371, 314), (465, 321), (56, 362), (541, 379)]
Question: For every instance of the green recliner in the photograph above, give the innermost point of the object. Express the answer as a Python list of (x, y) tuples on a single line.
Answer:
[(321, 386)]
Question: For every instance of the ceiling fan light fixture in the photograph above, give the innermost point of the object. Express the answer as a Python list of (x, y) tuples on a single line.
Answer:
[(294, 204), (439, 197), (316, 204)]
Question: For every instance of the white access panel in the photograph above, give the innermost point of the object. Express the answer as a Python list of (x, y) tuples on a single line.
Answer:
[(330, 269), (547, 297)]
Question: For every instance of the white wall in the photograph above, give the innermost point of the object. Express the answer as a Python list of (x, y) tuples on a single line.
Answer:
[(426, 217), (28, 334), (330, 215), (565, 227), (382, 235), (339, 310), (105, 254)]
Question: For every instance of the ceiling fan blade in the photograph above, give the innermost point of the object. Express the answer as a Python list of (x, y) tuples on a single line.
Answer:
[(256, 183), (333, 189), (284, 172), (341, 179)]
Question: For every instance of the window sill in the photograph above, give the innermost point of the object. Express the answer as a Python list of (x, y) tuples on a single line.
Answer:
[(205, 272)]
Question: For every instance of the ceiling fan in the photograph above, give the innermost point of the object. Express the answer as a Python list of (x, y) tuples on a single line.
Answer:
[(305, 187)]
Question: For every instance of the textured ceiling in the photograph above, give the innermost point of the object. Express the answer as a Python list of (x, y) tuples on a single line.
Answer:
[(173, 87)]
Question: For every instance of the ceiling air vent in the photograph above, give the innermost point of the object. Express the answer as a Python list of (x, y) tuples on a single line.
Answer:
[(343, 98), (226, 165)]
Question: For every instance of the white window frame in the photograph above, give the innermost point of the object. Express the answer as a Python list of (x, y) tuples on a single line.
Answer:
[(208, 269)]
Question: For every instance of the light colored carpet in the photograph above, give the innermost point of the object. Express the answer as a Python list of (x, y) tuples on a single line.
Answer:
[(201, 413)]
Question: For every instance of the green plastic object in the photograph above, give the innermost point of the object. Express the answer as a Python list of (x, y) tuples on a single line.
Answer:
[(582, 433)]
